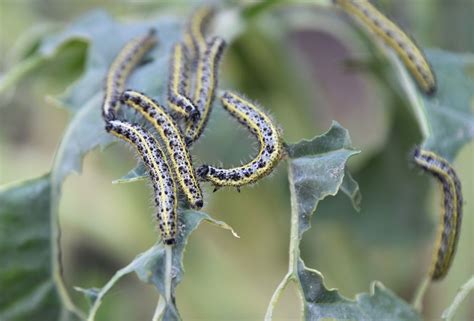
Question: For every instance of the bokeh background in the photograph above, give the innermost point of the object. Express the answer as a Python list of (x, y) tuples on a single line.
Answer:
[(305, 64)]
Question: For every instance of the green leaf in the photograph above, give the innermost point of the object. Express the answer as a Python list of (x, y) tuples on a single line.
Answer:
[(398, 206), (138, 173), (27, 290), (450, 113), (447, 118), (150, 265), (97, 28), (380, 304), (350, 187), (318, 167), (316, 170)]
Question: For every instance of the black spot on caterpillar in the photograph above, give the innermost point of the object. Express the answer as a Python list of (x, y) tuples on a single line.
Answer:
[(178, 84), (171, 136), (269, 138), (392, 35), (204, 89), (451, 214), (164, 187), (127, 59)]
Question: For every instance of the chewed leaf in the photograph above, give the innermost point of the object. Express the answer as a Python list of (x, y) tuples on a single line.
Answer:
[(27, 289), (96, 28), (150, 265), (321, 303), (350, 187), (317, 170), (136, 174)]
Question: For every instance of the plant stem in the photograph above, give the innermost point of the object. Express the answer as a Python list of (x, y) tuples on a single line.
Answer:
[(168, 264), (294, 251), (118, 275), (420, 294), (294, 232), (56, 266), (448, 314), (276, 296), (160, 307)]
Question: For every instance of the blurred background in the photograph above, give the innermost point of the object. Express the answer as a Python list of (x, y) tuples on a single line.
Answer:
[(300, 69)]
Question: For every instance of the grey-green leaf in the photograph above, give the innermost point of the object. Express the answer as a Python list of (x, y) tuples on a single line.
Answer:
[(138, 173), (321, 303), (317, 170), (150, 265), (350, 187), (450, 113), (27, 290)]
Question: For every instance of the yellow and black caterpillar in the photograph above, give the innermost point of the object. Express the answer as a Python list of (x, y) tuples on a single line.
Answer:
[(392, 35), (451, 211)]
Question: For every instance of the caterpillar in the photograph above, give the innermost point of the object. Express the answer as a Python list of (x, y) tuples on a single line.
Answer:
[(164, 187), (268, 135), (392, 35), (171, 136), (451, 216), (178, 84), (194, 38), (204, 91), (123, 64)]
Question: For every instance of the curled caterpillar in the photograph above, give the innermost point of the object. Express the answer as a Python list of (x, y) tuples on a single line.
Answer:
[(172, 139), (178, 85), (392, 35), (268, 135), (451, 215), (120, 69), (194, 36), (204, 89), (164, 187)]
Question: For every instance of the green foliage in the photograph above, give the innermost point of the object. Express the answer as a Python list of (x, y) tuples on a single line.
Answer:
[(316, 170), (30, 270), (449, 115), (25, 243), (321, 303), (150, 266)]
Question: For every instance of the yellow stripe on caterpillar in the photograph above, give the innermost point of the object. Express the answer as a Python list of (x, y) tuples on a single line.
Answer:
[(178, 84), (164, 187), (171, 137), (392, 35), (451, 215), (270, 149), (206, 81), (194, 35), (121, 68)]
